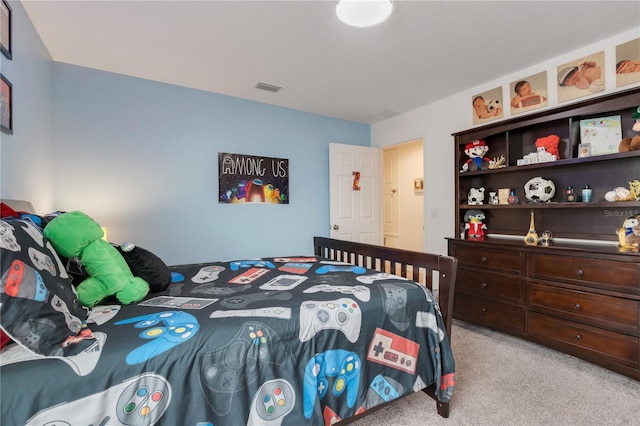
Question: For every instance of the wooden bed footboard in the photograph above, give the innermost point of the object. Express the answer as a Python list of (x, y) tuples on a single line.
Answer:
[(417, 266)]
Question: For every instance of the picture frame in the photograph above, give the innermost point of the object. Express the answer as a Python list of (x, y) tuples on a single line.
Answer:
[(581, 77), (5, 29), (628, 63), (487, 106), (602, 134), (503, 196), (584, 150), (6, 105), (528, 93), (418, 185)]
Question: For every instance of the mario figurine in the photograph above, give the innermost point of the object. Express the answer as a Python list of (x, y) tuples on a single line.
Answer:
[(474, 226), (476, 151)]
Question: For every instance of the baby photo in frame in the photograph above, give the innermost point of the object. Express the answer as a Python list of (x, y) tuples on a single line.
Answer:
[(487, 106), (628, 63), (582, 77), (528, 93)]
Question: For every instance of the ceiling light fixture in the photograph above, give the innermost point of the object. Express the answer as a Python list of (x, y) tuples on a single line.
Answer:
[(363, 13)]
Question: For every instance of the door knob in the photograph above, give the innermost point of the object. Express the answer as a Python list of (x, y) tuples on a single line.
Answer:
[(335, 227)]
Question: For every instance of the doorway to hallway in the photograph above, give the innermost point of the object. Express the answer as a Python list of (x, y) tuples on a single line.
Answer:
[(403, 195)]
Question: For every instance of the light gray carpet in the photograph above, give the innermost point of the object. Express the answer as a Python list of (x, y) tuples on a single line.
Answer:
[(503, 380)]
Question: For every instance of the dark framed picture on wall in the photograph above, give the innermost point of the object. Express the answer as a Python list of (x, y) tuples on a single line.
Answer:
[(6, 110), (5, 29)]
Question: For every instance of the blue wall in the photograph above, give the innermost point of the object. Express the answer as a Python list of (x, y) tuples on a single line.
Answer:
[(26, 171), (140, 157)]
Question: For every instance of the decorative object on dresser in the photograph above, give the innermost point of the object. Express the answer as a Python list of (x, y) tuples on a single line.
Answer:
[(580, 294), (531, 239)]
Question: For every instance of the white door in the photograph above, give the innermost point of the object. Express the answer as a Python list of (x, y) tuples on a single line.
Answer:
[(354, 193)]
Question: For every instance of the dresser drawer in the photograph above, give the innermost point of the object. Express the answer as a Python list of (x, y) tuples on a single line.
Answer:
[(620, 276), (490, 285), (481, 257), (595, 309), (488, 312), (585, 340)]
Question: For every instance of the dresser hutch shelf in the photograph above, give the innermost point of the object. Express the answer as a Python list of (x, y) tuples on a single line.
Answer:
[(581, 294)]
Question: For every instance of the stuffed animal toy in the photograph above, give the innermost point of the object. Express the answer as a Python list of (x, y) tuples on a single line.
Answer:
[(623, 194), (550, 144), (629, 144), (474, 226), (476, 196), (74, 234), (629, 233), (476, 151)]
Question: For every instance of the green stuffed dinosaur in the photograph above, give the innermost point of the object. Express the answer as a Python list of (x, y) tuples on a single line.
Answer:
[(74, 234)]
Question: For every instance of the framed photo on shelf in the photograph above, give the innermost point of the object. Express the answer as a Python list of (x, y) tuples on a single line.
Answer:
[(602, 135), (584, 150), (487, 106), (528, 93), (582, 77), (418, 185), (5, 29), (6, 110), (628, 63)]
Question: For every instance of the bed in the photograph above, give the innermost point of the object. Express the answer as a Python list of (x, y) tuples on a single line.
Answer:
[(314, 338)]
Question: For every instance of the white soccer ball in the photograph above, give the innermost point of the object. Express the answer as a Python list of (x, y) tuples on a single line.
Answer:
[(539, 190)]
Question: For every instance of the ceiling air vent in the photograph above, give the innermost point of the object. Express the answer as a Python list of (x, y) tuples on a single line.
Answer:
[(268, 87), (387, 113)]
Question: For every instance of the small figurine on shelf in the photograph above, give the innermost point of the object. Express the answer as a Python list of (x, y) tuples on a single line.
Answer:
[(531, 239), (474, 225), (498, 162), (569, 194), (493, 198), (546, 238), (513, 198), (476, 151), (476, 196)]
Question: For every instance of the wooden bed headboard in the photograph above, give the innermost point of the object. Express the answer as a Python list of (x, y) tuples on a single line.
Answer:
[(417, 266)]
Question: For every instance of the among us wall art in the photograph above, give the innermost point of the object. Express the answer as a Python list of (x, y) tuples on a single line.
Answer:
[(252, 179)]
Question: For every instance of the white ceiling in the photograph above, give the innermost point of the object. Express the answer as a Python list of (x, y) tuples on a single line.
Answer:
[(427, 50)]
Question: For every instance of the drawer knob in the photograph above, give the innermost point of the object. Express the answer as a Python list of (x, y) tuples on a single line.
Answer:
[(483, 285), (577, 306), (578, 337), (483, 259), (484, 309), (580, 272)]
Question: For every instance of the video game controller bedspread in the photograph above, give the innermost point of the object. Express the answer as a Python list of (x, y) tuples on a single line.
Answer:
[(273, 341)]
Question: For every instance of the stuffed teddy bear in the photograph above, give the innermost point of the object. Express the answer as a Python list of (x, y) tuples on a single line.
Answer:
[(629, 144), (629, 233), (74, 234), (476, 151)]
